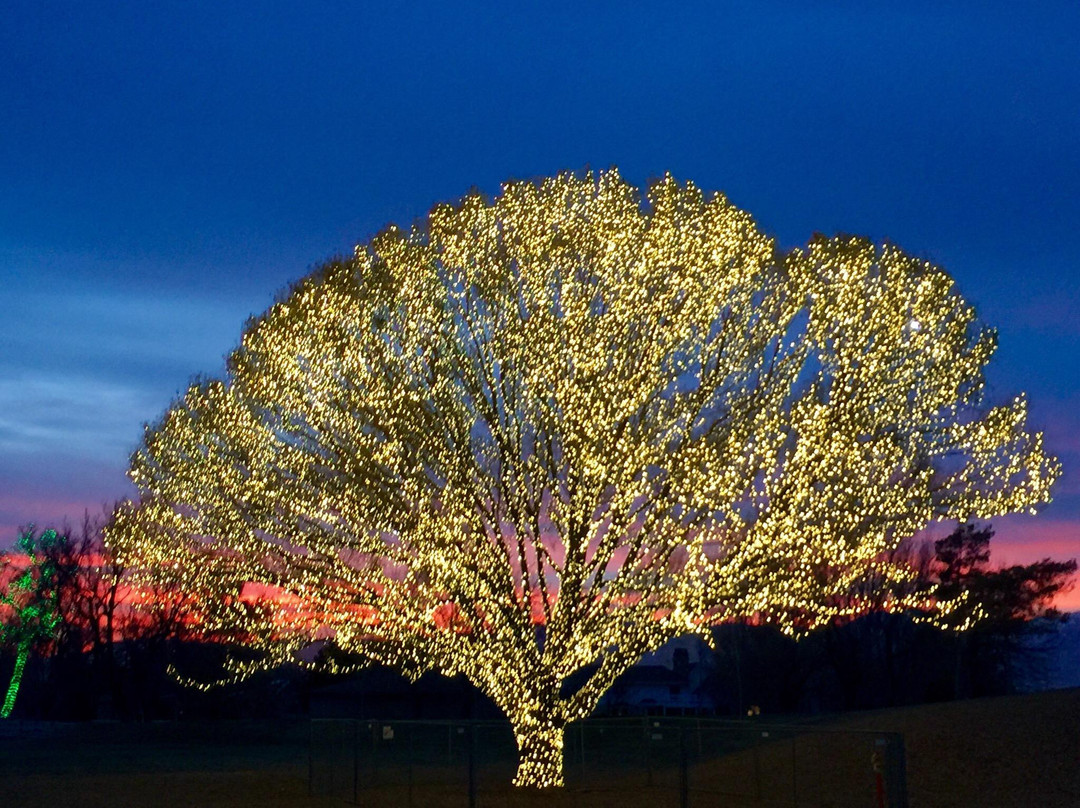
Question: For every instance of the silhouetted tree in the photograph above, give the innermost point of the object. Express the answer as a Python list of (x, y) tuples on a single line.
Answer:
[(1005, 608), (94, 611), (992, 638)]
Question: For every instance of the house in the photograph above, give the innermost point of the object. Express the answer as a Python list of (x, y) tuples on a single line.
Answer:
[(672, 681)]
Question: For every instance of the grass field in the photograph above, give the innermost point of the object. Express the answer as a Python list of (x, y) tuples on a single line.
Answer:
[(1015, 752)]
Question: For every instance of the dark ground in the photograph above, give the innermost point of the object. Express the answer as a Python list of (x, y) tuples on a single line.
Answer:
[(1013, 752), (1006, 752)]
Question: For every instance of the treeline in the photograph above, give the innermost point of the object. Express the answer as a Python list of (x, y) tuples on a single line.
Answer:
[(891, 658), (81, 639)]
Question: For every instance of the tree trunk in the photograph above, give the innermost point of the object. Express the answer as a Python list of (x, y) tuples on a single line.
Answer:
[(540, 751), (16, 680)]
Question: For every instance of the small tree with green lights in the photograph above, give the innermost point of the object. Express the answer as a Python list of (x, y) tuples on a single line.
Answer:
[(32, 596)]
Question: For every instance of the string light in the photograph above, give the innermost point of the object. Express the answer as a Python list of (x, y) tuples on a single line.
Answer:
[(33, 599), (545, 433)]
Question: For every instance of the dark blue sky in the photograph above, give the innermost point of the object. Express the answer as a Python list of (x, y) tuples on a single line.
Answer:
[(165, 168)]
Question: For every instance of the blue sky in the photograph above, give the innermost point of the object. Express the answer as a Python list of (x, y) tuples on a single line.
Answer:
[(166, 168)]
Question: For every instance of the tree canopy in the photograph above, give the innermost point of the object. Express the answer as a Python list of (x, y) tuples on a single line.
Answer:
[(541, 434)]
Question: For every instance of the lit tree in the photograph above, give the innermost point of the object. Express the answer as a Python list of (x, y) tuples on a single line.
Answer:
[(543, 434), (32, 600)]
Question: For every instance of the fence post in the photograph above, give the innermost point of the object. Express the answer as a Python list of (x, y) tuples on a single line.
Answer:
[(896, 771), (794, 773), (311, 759), (356, 762), (684, 773), (757, 768), (472, 763), (373, 731), (412, 732), (581, 748), (646, 747)]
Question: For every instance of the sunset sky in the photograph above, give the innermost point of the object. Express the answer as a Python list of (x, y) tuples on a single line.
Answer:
[(167, 167)]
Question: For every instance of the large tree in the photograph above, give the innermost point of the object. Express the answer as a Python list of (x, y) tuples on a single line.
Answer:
[(540, 435)]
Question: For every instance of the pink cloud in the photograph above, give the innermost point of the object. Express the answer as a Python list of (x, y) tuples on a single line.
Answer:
[(1023, 540), (17, 510)]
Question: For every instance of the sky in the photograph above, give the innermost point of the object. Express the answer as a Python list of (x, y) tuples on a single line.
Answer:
[(166, 168)]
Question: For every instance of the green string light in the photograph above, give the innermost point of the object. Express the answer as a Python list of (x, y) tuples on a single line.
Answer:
[(34, 598)]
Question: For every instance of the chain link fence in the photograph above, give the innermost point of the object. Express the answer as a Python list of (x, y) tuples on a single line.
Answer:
[(625, 762)]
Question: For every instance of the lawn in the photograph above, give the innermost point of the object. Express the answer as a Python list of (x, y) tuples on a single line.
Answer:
[(1013, 752)]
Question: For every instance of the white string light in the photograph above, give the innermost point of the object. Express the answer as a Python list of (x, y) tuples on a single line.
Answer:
[(564, 408)]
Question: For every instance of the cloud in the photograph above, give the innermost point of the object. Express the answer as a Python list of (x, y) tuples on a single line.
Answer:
[(81, 371), (18, 509), (120, 335), (74, 417), (83, 368), (1069, 602), (1024, 539)]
